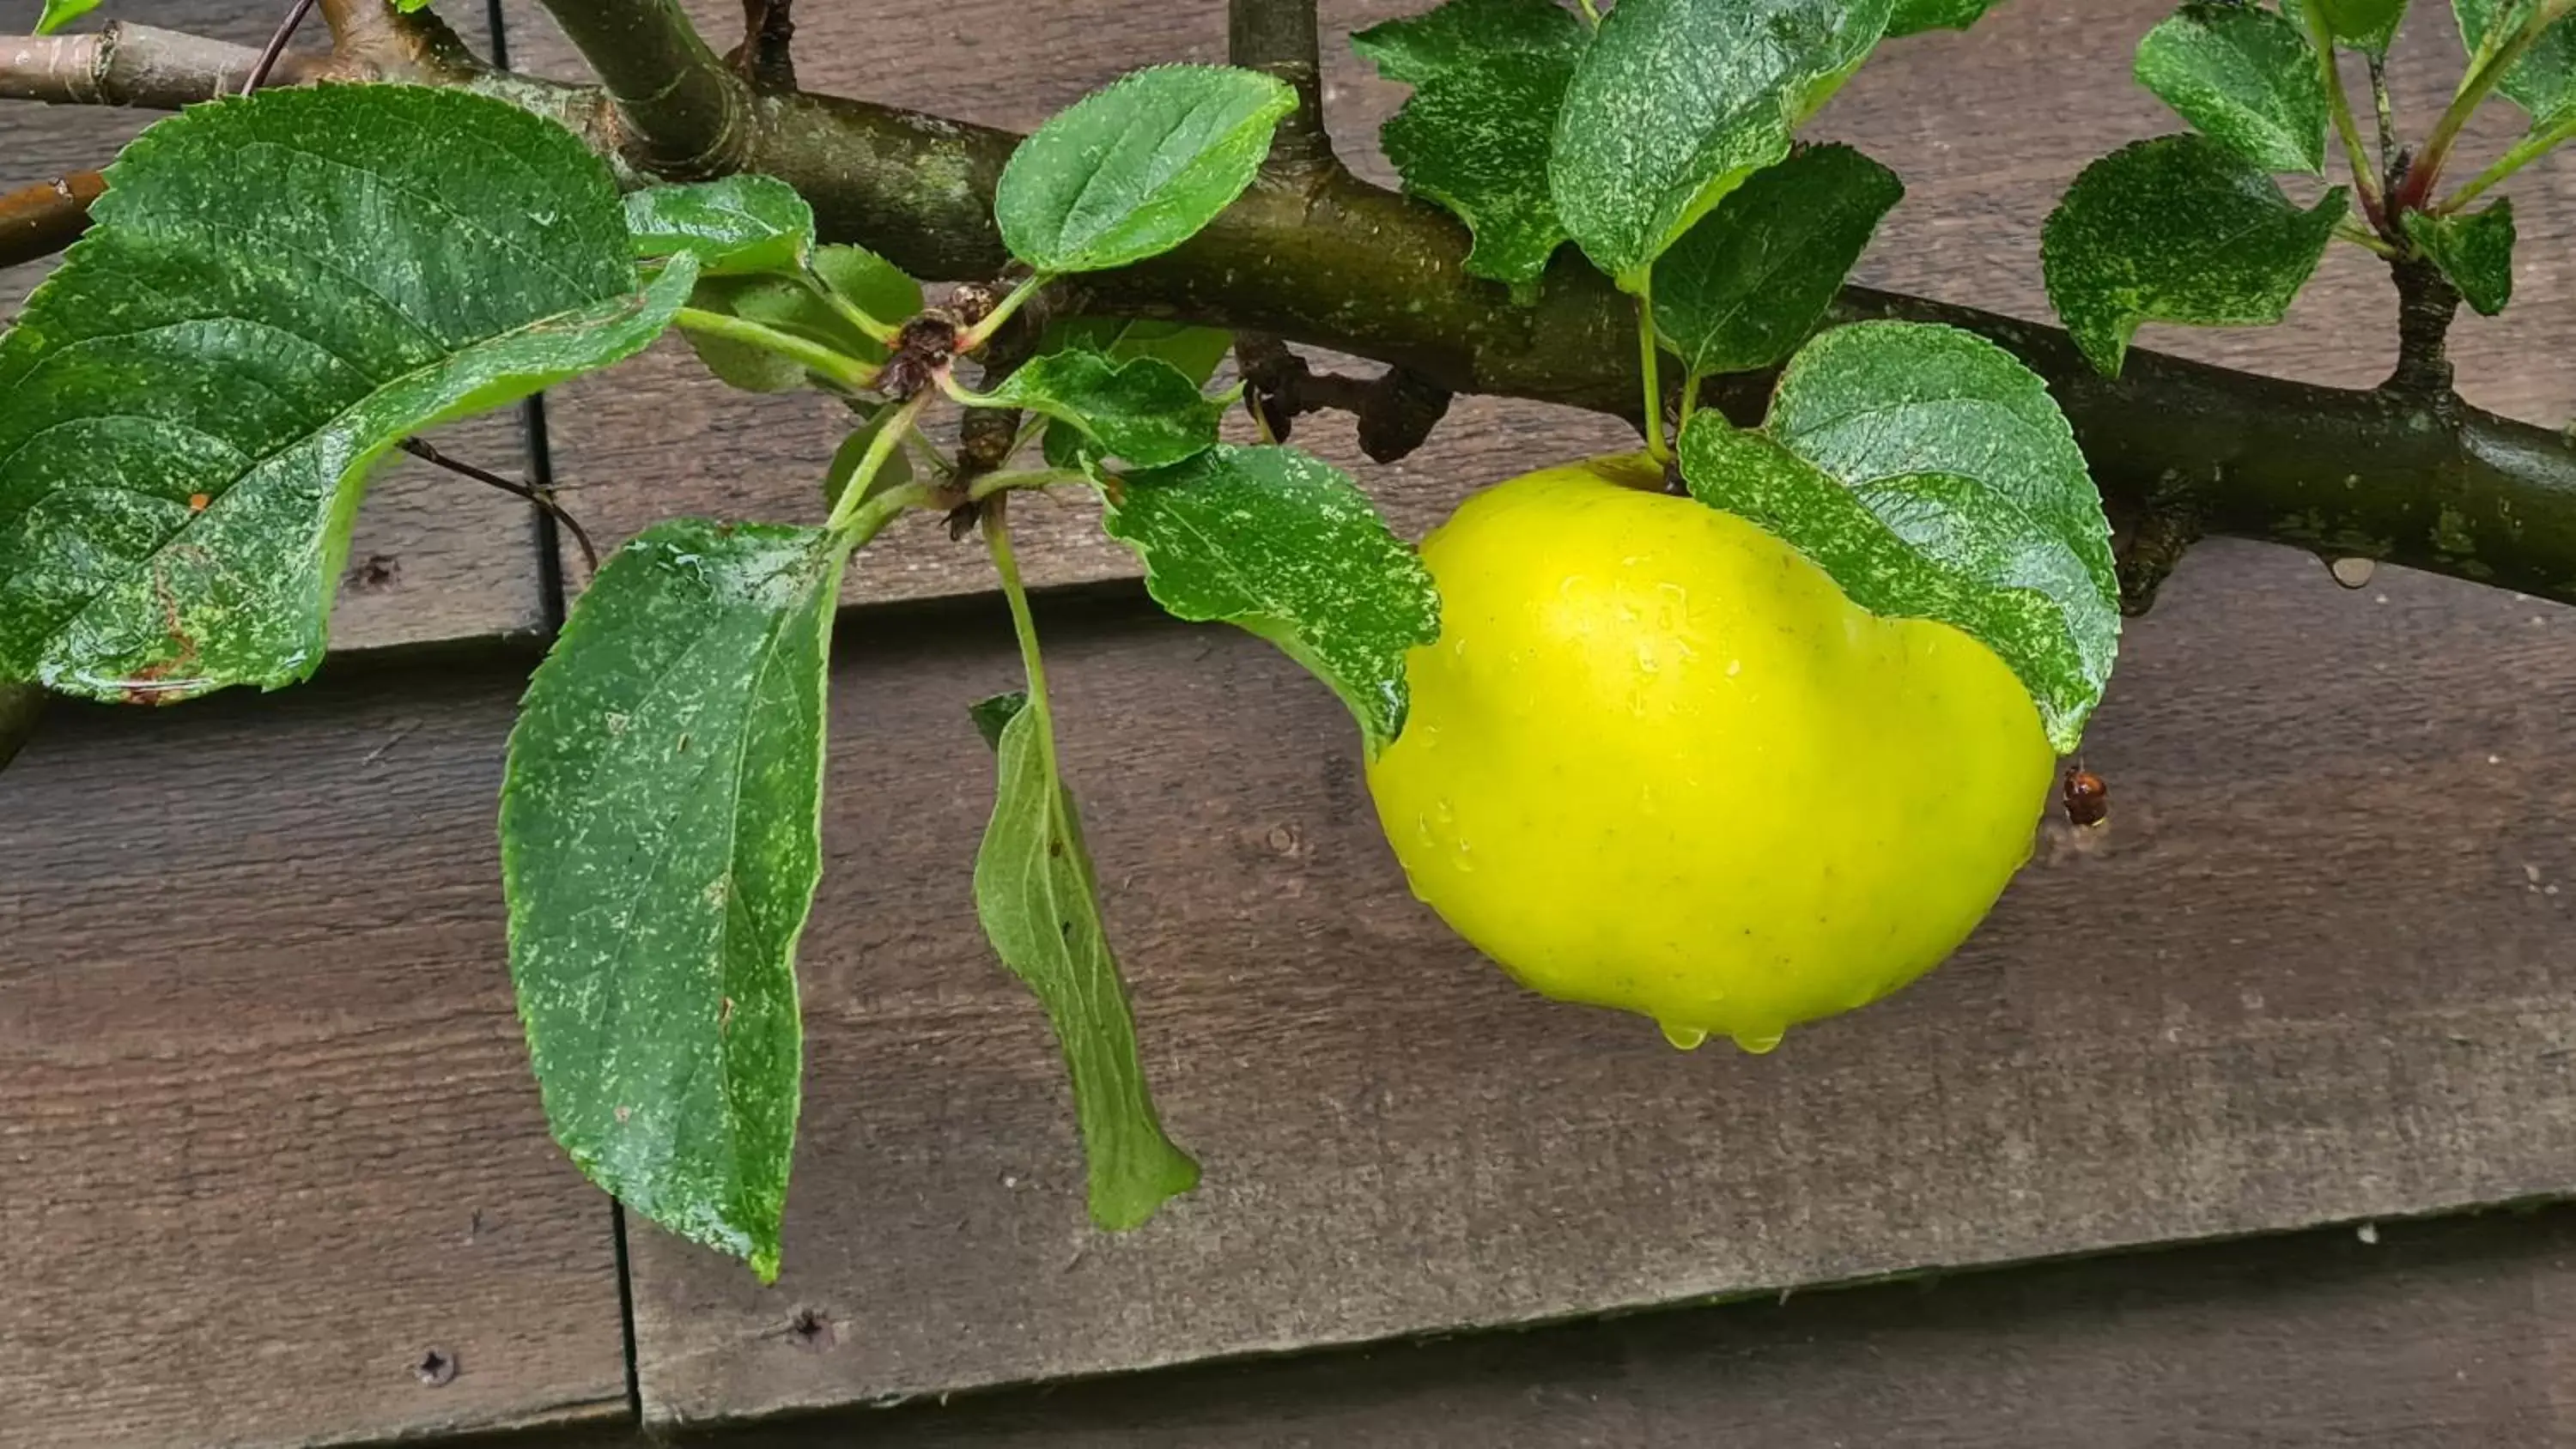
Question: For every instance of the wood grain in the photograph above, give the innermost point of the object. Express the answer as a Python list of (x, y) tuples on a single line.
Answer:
[(2314, 971), (265, 1119), (435, 557), (1986, 128), (2456, 1334)]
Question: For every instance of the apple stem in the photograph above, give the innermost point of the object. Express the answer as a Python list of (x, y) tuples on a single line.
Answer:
[(1647, 362)]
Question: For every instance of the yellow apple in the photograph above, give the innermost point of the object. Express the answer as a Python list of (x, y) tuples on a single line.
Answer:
[(1658, 761)]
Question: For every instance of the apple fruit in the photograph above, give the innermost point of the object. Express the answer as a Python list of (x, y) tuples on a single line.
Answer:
[(1658, 761)]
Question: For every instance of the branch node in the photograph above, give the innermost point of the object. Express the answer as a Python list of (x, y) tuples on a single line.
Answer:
[(2426, 303), (2147, 542)]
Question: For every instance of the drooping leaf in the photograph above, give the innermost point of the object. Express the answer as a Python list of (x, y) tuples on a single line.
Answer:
[(2177, 229), (1466, 33), (2246, 77), (1142, 410), (2474, 250), (1489, 77), (189, 405), (1912, 17), (894, 472), (661, 838), (1930, 474), (992, 715), (2364, 25), (1137, 167), (1287, 547), (2543, 82), (1677, 101), (59, 13), (789, 304), (1038, 898), (1743, 288), (1196, 351), (738, 225)]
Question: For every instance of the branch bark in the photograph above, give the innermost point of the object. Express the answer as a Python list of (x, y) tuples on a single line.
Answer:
[(127, 64), (41, 220), (1278, 38), (683, 107)]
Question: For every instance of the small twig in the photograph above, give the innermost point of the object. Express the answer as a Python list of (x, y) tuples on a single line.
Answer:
[(541, 497), (41, 220), (768, 37), (1396, 409), (126, 64), (1278, 37), (276, 47), (2365, 177)]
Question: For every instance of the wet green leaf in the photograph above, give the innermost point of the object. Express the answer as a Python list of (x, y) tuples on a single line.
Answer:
[(738, 225), (2177, 229), (1489, 77), (2474, 250), (790, 304), (1743, 288), (1196, 351), (1677, 101), (1137, 167), (59, 13), (1466, 33), (1287, 547), (2543, 82), (1910, 17), (1142, 410), (1931, 476), (189, 405), (2363, 25), (1038, 897), (661, 837), (2246, 77)]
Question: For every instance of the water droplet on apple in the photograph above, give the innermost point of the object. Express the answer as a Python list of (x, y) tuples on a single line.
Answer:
[(1758, 1043), (1687, 1038)]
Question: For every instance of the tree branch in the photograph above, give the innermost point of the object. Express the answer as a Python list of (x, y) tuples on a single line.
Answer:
[(1278, 37), (43, 219), (767, 58), (127, 64), (21, 705), (683, 107)]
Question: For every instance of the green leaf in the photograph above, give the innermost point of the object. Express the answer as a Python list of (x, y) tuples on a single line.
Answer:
[(1136, 168), (789, 304), (1143, 410), (1929, 473), (1489, 77), (1196, 351), (1910, 17), (2177, 229), (1285, 546), (1039, 900), (992, 715), (1466, 33), (741, 224), (2246, 77), (189, 405), (2543, 82), (59, 13), (2364, 25), (2474, 250), (661, 837), (1678, 101), (894, 472), (1743, 288)]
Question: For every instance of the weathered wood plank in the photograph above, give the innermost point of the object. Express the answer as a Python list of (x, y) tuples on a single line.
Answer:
[(2313, 972), (2457, 1334), (1986, 128), (435, 557), (265, 1118)]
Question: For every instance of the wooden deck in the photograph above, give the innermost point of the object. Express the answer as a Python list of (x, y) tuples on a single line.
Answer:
[(275, 1172)]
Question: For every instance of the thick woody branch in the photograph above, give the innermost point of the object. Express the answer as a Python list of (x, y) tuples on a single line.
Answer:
[(682, 108), (1278, 37), (41, 220), (127, 64)]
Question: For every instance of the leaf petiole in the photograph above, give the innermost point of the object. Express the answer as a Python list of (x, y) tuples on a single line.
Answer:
[(2530, 148), (1648, 362), (2361, 237), (1690, 400), (994, 483), (2486, 71), (816, 358), (1591, 13), (982, 332), (881, 333), (1006, 567), (2365, 177), (859, 516)]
